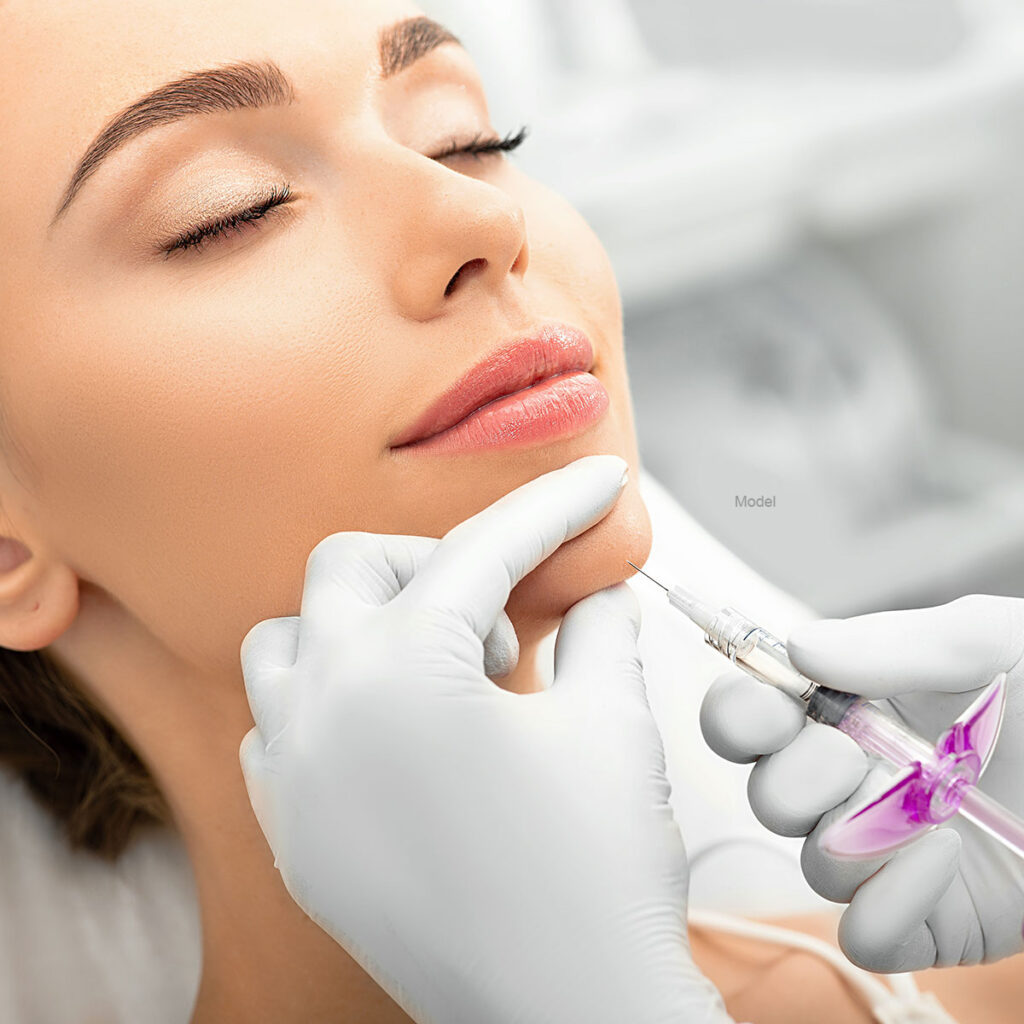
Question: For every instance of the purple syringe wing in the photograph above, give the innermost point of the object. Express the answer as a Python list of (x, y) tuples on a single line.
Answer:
[(884, 824), (923, 795), (977, 728)]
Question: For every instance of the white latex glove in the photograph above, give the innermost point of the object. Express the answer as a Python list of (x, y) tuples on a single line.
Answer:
[(486, 856), (953, 896)]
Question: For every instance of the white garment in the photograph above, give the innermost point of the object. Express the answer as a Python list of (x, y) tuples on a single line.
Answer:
[(84, 942)]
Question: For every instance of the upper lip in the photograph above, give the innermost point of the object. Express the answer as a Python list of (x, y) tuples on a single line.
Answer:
[(552, 349)]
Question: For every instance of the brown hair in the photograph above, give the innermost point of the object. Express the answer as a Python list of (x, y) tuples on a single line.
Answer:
[(73, 760)]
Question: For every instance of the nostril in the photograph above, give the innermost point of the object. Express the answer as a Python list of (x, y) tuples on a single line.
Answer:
[(471, 266)]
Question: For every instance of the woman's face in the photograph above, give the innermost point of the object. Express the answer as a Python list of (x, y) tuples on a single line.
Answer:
[(186, 426)]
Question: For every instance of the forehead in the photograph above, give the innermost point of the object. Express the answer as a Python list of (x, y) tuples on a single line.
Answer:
[(66, 68)]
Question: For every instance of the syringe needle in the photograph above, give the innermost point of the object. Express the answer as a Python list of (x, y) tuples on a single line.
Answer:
[(648, 575)]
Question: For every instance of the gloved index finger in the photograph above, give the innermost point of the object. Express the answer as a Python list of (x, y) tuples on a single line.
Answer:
[(951, 648), (477, 563), (742, 718)]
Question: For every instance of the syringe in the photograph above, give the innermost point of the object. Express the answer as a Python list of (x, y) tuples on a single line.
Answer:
[(933, 782)]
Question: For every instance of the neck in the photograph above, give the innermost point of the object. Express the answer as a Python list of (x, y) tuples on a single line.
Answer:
[(263, 958)]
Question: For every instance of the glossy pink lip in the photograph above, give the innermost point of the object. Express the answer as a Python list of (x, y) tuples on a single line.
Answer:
[(527, 392)]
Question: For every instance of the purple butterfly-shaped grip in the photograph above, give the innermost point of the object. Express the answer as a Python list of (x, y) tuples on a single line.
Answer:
[(977, 729), (880, 825), (924, 795)]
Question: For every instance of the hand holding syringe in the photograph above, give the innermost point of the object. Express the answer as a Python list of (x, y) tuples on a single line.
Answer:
[(951, 895), (933, 782)]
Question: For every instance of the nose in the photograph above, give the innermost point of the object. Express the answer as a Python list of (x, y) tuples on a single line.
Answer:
[(454, 235)]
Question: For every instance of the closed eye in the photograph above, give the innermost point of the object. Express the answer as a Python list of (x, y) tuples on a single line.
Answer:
[(481, 144), (199, 236)]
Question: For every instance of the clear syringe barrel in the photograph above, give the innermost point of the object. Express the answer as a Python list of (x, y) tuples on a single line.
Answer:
[(764, 656), (999, 823), (746, 643)]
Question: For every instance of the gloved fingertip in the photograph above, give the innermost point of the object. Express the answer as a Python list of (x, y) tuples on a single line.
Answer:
[(814, 631), (608, 470), (501, 649), (618, 600), (884, 927), (832, 878), (610, 606), (917, 952), (815, 646), (269, 645), (742, 718), (791, 789), (600, 631), (251, 750)]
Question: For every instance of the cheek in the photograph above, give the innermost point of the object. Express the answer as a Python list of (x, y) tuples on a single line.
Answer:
[(201, 453), (568, 260)]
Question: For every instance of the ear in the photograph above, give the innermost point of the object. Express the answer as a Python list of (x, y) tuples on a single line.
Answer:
[(38, 593)]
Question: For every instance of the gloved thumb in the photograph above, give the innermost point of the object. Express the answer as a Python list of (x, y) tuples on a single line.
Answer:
[(950, 648), (596, 646)]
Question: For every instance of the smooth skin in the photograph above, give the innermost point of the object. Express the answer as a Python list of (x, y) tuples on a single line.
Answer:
[(183, 432), (178, 435)]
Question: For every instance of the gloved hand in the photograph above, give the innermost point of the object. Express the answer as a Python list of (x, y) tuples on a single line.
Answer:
[(953, 896), (484, 855)]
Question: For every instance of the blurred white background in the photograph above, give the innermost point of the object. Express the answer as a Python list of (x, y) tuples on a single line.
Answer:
[(815, 212)]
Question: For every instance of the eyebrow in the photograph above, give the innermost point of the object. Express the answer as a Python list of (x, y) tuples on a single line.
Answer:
[(240, 86)]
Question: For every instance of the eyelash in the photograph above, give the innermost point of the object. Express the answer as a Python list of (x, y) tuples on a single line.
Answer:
[(197, 237), (481, 144)]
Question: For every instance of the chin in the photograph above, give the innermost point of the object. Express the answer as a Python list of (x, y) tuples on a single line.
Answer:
[(590, 562)]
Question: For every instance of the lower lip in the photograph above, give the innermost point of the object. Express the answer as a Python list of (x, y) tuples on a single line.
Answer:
[(558, 407)]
